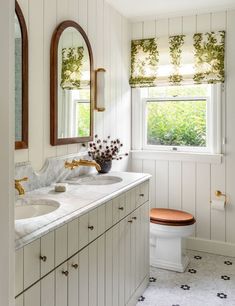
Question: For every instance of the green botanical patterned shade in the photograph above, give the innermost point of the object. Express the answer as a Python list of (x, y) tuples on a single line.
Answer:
[(144, 61), (176, 60), (71, 71)]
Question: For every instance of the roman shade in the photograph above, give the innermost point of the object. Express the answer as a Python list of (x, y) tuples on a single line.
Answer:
[(176, 60)]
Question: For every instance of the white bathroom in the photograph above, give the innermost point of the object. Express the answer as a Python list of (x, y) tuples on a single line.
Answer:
[(117, 153)]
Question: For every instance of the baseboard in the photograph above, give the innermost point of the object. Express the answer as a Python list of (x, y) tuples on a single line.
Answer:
[(139, 291), (211, 246)]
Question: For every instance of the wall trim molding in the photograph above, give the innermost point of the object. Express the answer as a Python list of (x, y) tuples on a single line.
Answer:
[(177, 156), (211, 246)]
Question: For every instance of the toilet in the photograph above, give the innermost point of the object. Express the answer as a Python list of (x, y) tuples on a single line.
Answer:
[(168, 227)]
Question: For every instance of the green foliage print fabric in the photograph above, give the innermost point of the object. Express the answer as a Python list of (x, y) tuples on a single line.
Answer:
[(72, 61), (180, 59), (209, 57), (144, 62), (175, 46)]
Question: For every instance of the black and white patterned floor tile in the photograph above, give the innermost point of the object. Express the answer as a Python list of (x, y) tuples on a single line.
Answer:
[(209, 280)]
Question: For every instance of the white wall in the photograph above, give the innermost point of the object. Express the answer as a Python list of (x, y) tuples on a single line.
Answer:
[(6, 153), (109, 34), (190, 185)]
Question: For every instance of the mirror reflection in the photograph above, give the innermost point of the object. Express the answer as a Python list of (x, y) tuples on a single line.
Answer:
[(74, 101), (18, 81)]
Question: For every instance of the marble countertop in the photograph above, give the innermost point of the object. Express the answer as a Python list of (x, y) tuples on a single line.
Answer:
[(77, 200)]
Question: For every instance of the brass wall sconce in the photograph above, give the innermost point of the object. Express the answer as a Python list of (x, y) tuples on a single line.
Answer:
[(100, 89)]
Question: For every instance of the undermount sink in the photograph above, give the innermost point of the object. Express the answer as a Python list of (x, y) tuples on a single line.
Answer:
[(97, 180), (34, 208)]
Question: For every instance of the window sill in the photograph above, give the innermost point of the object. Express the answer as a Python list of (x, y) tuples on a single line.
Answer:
[(177, 156)]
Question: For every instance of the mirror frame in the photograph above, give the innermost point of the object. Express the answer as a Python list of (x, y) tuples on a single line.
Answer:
[(23, 144), (54, 86)]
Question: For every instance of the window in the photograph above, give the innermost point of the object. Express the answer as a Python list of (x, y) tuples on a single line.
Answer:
[(181, 118)]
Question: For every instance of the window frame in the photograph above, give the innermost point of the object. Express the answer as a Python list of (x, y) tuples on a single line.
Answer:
[(214, 127)]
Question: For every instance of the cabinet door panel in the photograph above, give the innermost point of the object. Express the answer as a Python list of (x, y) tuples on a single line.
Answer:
[(61, 285), (108, 267), (61, 244), (31, 263), (32, 296), (101, 271), (116, 209), (48, 290), (19, 301), (134, 240), (83, 292), (121, 286), (19, 263), (127, 258), (73, 266), (101, 219), (72, 237), (93, 224), (47, 249), (108, 215), (83, 231), (93, 273), (115, 231)]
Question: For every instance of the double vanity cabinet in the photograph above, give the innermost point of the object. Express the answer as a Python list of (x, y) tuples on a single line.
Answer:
[(99, 258)]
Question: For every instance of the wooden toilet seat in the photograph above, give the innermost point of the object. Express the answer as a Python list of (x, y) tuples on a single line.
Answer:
[(171, 217)]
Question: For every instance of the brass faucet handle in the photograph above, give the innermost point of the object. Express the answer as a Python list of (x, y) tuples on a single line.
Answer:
[(24, 179)]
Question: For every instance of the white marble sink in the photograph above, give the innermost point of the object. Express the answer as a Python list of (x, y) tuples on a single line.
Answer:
[(34, 208), (98, 179)]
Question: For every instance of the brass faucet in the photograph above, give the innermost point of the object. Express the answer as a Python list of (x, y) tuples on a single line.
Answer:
[(19, 187), (82, 162)]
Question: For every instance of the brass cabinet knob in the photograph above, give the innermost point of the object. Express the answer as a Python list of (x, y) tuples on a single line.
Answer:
[(75, 266), (121, 208), (91, 227), (141, 194), (130, 221), (43, 258), (134, 218), (66, 273)]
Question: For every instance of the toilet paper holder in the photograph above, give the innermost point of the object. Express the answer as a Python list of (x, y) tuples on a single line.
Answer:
[(218, 193)]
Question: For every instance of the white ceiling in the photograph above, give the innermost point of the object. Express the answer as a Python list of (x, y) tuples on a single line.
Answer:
[(142, 9)]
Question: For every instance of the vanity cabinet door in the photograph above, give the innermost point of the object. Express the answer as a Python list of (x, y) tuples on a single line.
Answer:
[(109, 267), (128, 259), (32, 296), (61, 285), (101, 271), (19, 263), (142, 193), (83, 231), (47, 253), (19, 301), (61, 244), (108, 215), (83, 272), (121, 281), (93, 224), (48, 290), (72, 237), (73, 266), (31, 263), (92, 253), (115, 232), (101, 219), (119, 208)]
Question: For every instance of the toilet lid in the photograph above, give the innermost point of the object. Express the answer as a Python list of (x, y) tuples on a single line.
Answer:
[(171, 217)]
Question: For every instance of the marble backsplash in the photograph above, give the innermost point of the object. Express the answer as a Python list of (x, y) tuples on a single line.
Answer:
[(53, 171)]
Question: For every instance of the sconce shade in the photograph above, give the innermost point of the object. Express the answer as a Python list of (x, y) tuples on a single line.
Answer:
[(100, 90)]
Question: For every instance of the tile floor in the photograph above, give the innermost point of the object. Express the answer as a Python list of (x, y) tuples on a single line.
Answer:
[(209, 280)]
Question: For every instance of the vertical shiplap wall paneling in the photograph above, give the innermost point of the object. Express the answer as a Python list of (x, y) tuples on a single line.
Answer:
[(218, 230), (50, 19), (192, 185), (36, 82), (109, 35), (162, 184), (99, 116), (175, 184), (230, 143), (107, 65)]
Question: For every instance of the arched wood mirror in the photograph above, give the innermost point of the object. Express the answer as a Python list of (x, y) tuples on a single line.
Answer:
[(72, 85), (21, 80)]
